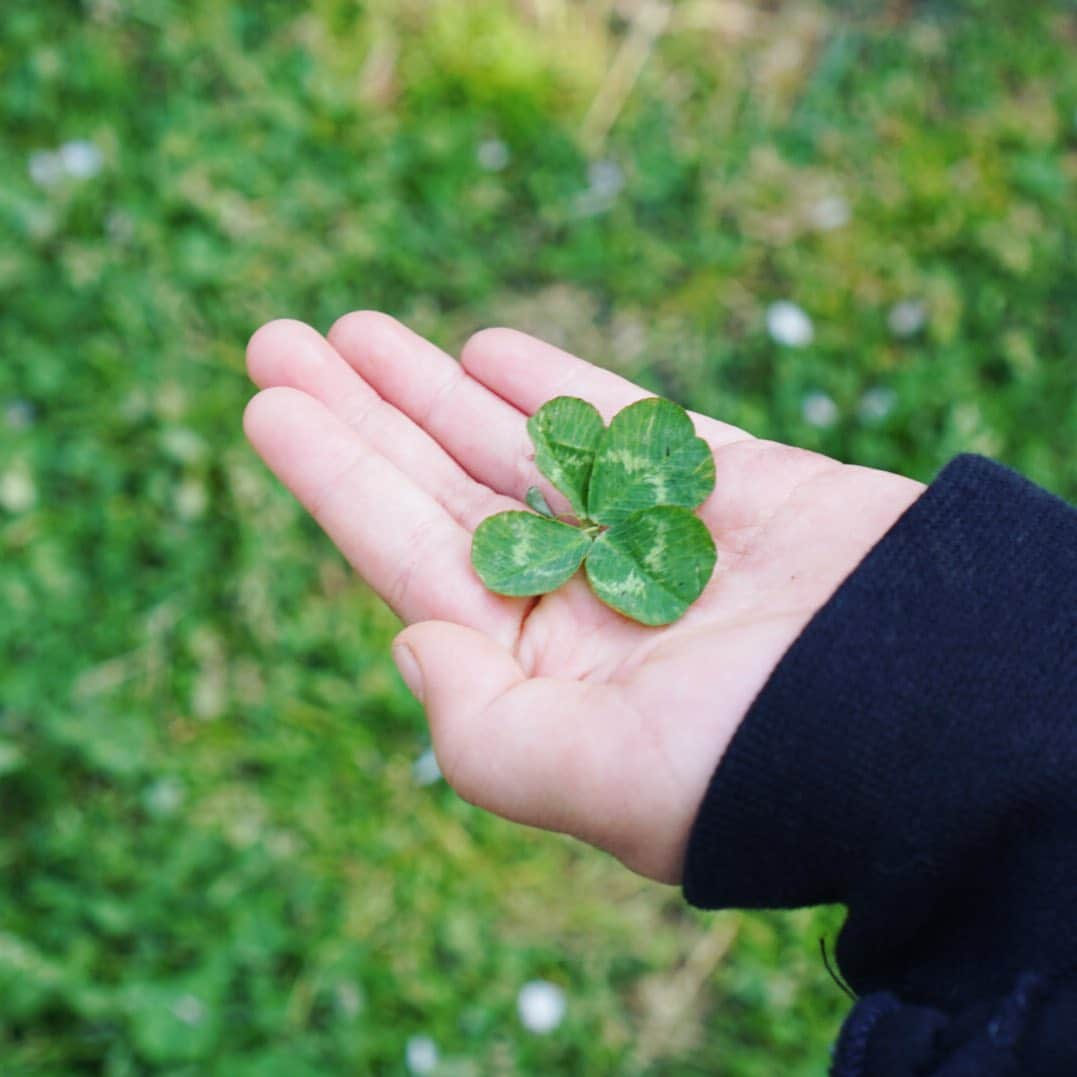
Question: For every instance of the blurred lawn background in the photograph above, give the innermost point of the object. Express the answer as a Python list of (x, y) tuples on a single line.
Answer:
[(216, 853)]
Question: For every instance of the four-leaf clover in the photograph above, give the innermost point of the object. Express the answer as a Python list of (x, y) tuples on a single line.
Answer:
[(632, 488)]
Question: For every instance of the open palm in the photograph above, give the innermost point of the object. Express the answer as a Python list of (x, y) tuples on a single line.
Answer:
[(555, 712)]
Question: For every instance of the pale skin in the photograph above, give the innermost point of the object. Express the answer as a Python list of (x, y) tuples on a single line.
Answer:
[(554, 712)]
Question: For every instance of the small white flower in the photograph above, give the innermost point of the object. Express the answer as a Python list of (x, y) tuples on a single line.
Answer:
[(191, 499), (425, 770), (189, 1009), (119, 227), (245, 829), (607, 178), (165, 797), (876, 404), (789, 325), (19, 414), (349, 998), (183, 444), (819, 410), (421, 1055), (781, 991), (493, 155), (907, 317), (830, 213), (541, 1006), (81, 159), (11, 758), (78, 159), (17, 490), (46, 168)]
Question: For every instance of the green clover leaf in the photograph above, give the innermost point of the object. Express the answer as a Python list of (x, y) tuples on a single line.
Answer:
[(632, 486), (539, 503), (653, 565), (566, 432), (649, 456), (516, 553)]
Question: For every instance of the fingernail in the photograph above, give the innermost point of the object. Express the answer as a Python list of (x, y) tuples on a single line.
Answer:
[(406, 662)]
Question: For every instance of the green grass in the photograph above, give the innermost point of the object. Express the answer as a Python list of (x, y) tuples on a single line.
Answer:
[(213, 857)]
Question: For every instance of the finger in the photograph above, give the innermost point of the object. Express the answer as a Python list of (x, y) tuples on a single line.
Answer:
[(291, 354), (400, 539), (527, 372), (483, 433), (553, 753)]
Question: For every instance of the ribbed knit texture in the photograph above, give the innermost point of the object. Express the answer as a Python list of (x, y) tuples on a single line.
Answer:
[(914, 756)]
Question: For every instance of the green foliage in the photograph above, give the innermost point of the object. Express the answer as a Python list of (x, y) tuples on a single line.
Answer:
[(535, 499), (631, 485), (653, 564), (566, 432), (649, 456), (516, 553), (209, 814)]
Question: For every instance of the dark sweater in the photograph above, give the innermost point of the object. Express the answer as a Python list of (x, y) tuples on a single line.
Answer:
[(914, 757)]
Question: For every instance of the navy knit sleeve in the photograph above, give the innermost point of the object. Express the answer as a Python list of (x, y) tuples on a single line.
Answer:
[(914, 757)]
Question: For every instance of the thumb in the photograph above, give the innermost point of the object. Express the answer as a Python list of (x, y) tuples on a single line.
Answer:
[(531, 749), (455, 672)]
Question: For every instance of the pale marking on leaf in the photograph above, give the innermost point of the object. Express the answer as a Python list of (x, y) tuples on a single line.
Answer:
[(653, 560), (626, 458), (521, 552), (633, 584)]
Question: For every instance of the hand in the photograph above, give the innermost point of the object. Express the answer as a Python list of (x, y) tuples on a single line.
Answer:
[(555, 712)]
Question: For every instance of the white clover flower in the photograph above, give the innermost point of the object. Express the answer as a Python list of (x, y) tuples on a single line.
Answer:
[(189, 1009), (787, 324), (819, 410), (907, 317), (78, 159), (425, 770), (242, 827), (46, 168), (19, 414), (191, 499), (184, 444), (830, 213), (493, 155), (876, 404), (18, 493), (81, 159), (282, 844), (541, 1006), (607, 178), (349, 998), (165, 797), (421, 1055), (119, 227)]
